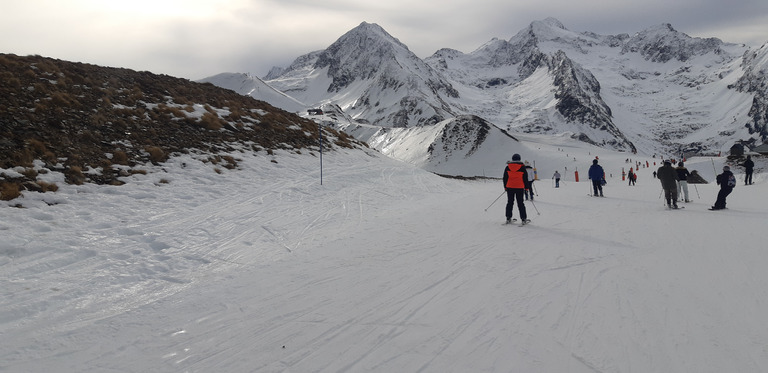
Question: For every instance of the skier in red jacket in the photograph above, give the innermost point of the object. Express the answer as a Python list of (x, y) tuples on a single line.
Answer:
[(515, 180)]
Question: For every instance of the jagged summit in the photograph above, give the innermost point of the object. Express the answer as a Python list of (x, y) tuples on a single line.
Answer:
[(360, 54), (551, 22), (369, 31), (544, 30), (373, 77), (548, 28), (663, 43)]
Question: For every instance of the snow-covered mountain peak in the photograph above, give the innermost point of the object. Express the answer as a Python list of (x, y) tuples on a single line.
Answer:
[(663, 43), (548, 29), (368, 38), (373, 78), (370, 32), (361, 53)]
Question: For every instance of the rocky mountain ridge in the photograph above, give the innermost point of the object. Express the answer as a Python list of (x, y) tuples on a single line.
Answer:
[(546, 79)]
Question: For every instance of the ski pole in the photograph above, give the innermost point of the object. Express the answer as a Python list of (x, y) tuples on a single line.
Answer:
[(697, 191), (494, 201), (534, 207)]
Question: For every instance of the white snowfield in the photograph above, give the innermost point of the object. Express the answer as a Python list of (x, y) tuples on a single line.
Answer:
[(382, 268)]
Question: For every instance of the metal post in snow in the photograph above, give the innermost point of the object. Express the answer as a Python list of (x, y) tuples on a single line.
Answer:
[(320, 130)]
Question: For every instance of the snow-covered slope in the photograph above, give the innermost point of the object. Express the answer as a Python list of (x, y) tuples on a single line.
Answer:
[(383, 268), (466, 145), (250, 85)]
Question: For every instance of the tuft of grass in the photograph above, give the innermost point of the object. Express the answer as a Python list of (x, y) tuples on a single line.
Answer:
[(156, 155), (47, 187), (9, 191), (120, 157), (74, 175), (211, 121)]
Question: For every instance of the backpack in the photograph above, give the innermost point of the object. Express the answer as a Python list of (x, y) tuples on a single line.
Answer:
[(731, 180)]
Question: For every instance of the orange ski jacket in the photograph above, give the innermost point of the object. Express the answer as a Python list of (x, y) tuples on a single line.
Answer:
[(515, 176)]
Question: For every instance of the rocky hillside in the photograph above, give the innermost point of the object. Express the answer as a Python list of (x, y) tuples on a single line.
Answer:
[(97, 124), (755, 80)]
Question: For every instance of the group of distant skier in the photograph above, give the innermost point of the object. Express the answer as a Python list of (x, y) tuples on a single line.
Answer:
[(519, 177)]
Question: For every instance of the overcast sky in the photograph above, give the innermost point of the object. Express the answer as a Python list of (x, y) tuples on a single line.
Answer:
[(195, 39)]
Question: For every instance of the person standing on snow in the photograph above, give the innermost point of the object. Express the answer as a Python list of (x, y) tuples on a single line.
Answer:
[(749, 167), (597, 175), (529, 185), (556, 176), (727, 181), (682, 181), (668, 177), (631, 177), (515, 179)]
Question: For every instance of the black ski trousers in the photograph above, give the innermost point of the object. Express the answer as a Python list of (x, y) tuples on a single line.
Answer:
[(671, 196), (720, 203), (512, 195), (597, 185)]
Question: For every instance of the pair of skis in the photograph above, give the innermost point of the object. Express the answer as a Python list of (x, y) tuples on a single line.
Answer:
[(510, 222)]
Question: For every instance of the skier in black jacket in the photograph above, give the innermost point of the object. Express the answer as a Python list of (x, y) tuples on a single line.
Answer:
[(749, 167), (668, 177), (727, 181)]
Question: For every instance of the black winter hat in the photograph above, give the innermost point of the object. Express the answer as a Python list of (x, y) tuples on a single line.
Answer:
[(594, 161), (516, 157)]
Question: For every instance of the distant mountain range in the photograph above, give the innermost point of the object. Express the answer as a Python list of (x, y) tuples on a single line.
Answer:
[(657, 91)]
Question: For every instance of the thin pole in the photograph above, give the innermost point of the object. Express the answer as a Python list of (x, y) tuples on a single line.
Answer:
[(320, 130), (494, 201), (534, 207)]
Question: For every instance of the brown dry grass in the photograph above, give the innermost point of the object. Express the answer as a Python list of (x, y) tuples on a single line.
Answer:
[(76, 116)]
